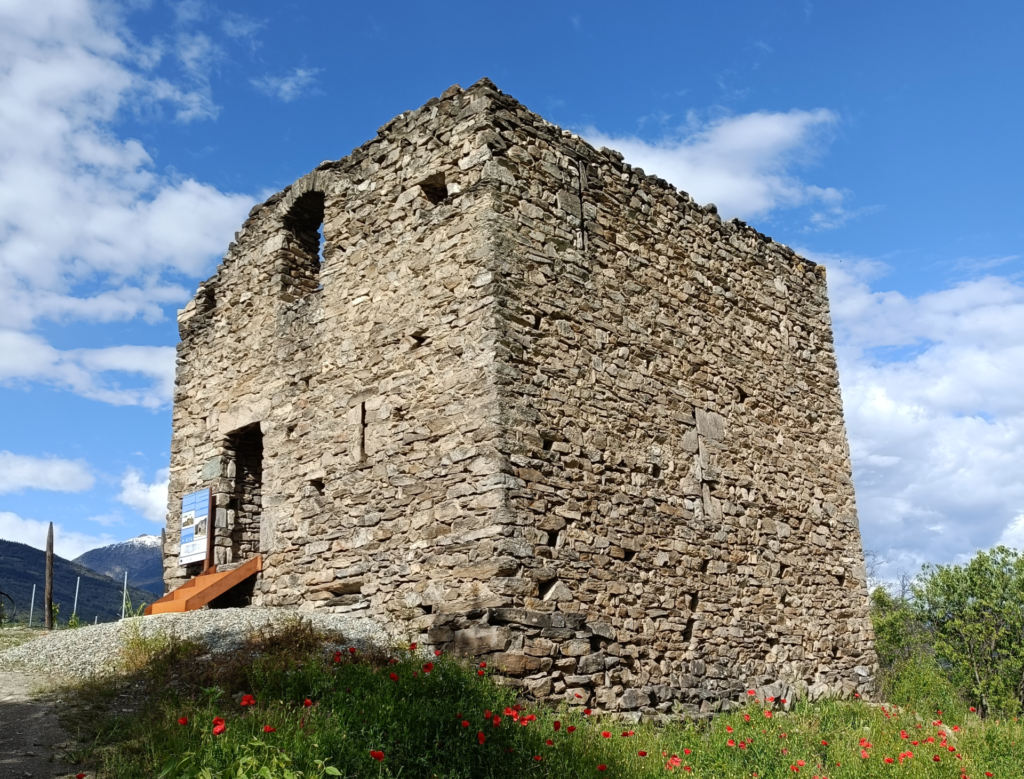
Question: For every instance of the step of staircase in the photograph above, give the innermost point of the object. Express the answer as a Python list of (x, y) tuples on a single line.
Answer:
[(200, 590)]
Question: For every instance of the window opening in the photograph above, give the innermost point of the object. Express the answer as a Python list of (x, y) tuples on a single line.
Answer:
[(304, 253), (434, 189)]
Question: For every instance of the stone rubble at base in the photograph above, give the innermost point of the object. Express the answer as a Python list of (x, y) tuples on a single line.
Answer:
[(534, 406)]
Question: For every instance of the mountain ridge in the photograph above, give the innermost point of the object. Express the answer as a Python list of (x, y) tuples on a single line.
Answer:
[(99, 596)]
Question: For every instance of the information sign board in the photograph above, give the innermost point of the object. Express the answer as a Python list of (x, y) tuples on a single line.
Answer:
[(195, 525)]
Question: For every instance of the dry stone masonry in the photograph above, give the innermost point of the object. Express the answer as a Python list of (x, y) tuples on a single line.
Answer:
[(526, 403)]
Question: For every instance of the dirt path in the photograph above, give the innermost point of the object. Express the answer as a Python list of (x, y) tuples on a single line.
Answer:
[(31, 740)]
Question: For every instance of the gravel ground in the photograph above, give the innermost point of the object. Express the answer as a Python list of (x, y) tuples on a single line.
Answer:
[(84, 651)]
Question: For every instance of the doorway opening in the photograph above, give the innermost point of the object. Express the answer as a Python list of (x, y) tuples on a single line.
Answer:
[(245, 448)]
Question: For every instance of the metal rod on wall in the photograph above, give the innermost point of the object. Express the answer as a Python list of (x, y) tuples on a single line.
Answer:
[(74, 609), (32, 605), (124, 594)]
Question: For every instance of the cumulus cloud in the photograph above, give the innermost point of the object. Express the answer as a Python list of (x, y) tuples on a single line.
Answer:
[(20, 472), (92, 373), (66, 543), (89, 231), (286, 88), (149, 499), (931, 390), (743, 164)]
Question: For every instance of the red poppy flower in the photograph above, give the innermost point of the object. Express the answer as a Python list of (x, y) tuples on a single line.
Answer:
[(218, 729), (686, 751), (768, 714), (496, 721), (351, 650), (483, 665), (728, 728), (538, 758), (988, 773), (183, 721), (770, 700), (337, 657), (801, 763), (479, 673), (248, 700), (586, 712), (556, 725), (307, 703), (412, 647), (937, 759), (82, 776), (377, 755), (487, 713), (730, 743), (394, 676), (268, 729), (751, 692), (480, 737), (550, 743), (465, 723), (673, 762), (974, 709), (602, 767), (606, 734), (428, 667), (889, 760), (570, 729), (642, 753), (824, 743), (437, 653)]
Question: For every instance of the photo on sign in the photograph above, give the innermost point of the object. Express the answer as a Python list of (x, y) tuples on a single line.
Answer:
[(201, 528), (188, 518)]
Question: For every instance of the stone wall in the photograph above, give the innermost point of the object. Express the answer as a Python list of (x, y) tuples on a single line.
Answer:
[(534, 406)]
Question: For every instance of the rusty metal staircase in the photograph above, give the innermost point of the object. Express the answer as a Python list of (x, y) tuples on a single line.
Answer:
[(201, 589)]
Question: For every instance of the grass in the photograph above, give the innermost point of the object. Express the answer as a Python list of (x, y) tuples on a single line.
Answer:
[(336, 714)]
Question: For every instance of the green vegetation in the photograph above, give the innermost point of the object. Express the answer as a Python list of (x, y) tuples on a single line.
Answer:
[(956, 636), (286, 706)]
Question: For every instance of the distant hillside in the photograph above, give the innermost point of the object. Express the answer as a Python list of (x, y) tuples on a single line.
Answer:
[(21, 566), (140, 556)]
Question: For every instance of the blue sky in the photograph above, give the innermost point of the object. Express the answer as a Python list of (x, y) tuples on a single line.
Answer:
[(881, 139)]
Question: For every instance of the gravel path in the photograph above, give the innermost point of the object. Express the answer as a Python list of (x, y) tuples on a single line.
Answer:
[(95, 648)]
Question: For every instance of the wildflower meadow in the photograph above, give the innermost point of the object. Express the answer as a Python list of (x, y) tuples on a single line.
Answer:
[(286, 706)]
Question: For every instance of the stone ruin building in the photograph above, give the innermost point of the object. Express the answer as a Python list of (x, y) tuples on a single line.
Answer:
[(527, 403)]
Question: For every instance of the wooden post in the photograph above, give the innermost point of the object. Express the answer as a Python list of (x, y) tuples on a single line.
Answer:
[(48, 592)]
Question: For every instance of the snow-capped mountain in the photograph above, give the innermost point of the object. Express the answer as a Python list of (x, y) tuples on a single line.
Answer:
[(140, 556)]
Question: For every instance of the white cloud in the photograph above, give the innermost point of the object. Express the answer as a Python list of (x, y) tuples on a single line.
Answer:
[(242, 28), (91, 373), (286, 88), (150, 500), (741, 163), (931, 392), (66, 543), (1013, 535), (19, 472), (88, 230)]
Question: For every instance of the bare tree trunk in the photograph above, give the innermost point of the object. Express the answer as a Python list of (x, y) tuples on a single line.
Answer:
[(48, 592)]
